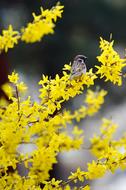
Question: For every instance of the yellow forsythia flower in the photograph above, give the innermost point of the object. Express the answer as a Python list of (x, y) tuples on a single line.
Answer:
[(95, 170), (8, 39), (92, 104), (111, 63), (21, 87), (94, 100), (99, 143), (42, 24), (87, 187), (52, 185), (13, 78), (78, 175), (7, 88)]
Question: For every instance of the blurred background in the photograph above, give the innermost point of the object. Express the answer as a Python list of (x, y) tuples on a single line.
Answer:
[(78, 32)]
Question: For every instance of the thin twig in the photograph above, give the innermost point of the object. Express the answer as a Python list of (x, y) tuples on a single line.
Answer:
[(17, 95)]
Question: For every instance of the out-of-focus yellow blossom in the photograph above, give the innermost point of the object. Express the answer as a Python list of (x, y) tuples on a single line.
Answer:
[(113, 157), (77, 131), (111, 63), (78, 175), (8, 39), (7, 89), (108, 128), (3, 102), (52, 185), (94, 100), (99, 143), (21, 87), (67, 187), (122, 162), (92, 104), (87, 187), (107, 149), (54, 13), (13, 78), (120, 143), (42, 24), (95, 170)]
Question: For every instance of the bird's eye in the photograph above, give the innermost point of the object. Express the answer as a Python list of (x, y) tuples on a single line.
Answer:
[(80, 60)]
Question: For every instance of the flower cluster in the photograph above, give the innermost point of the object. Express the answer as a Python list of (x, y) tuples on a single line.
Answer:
[(41, 25), (27, 122), (107, 151), (104, 147), (92, 103), (55, 91), (112, 64), (100, 142), (8, 39)]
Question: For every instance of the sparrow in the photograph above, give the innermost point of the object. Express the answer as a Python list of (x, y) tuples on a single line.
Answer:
[(78, 67)]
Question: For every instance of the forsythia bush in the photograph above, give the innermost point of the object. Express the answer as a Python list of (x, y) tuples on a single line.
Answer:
[(44, 124)]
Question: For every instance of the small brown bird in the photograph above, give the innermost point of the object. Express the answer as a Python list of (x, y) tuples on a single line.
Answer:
[(78, 67)]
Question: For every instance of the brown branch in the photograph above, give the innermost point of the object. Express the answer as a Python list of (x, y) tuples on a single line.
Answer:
[(17, 95)]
